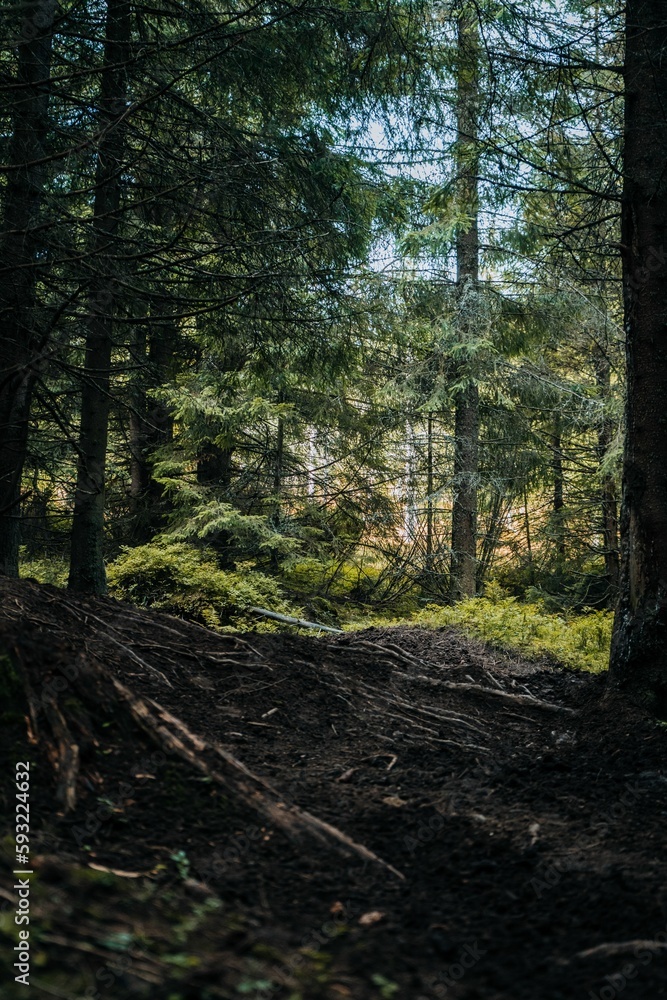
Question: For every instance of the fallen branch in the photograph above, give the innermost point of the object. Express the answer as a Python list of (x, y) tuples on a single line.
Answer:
[(301, 622), (126, 649), (68, 754), (229, 772), (392, 652), (441, 715), (517, 699), (614, 948)]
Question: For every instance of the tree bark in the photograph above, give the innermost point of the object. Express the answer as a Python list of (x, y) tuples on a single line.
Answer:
[(466, 415), (429, 492), (278, 462), (464, 508), (20, 339), (608, 502), (558, 510), (529, 544), (151, 425), (639, 644), (214, 469), (87, 573), (214, 466)]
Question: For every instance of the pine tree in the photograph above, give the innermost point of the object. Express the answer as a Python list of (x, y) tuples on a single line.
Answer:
[(463, 576), (639, 645), (22, 336)]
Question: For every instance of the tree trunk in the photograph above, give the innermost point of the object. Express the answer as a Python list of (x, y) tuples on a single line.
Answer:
[(214, 469), (278, 463), (529, 544), (214, 466), (429, 492), (410, 515), (139, 466), (87, 572), (558, 511), (151, 425), (466, 415), (464, 508), (639, 644), (21, 242), (608, 504)]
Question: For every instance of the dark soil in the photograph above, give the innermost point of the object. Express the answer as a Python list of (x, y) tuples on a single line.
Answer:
[(527, 838)]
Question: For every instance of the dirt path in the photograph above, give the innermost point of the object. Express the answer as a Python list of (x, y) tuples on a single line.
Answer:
[(526, 816)]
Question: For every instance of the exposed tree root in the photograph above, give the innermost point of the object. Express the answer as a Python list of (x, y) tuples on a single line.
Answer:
[(394, 654), (223, 768), (95, 648), (612, 949), (518, 699), (95, 683), (67, 750)]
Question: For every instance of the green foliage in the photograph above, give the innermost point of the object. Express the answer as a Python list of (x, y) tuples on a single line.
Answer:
[(387, 988), (581, 642), (45, 570), (187, 582), (337, 579), (253, 532), (578, 641), (182, 863), (339, 587), (254, 985), (288, 402), (576, 585)]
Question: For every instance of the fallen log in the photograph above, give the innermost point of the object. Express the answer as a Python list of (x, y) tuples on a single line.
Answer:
[(233, 775), (300, 622)]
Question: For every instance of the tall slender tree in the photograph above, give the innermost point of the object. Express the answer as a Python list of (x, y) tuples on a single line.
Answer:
[(87, 558), (608, 499), (466, 415), (639, 645), (21, 247)]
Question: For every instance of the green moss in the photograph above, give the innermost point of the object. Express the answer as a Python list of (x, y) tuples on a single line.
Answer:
[(186, 581), (578, 641)]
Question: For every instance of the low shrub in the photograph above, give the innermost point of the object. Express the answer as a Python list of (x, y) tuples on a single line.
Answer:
[(341, 586), (578, 641), (54, 570), (185, 581)]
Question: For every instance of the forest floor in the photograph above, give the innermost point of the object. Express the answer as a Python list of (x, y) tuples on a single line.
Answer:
[(526, 833)]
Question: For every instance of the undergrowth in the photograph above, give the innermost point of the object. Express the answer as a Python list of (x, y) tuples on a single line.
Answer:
[(187, 582), (52, 570), (578, 641)]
